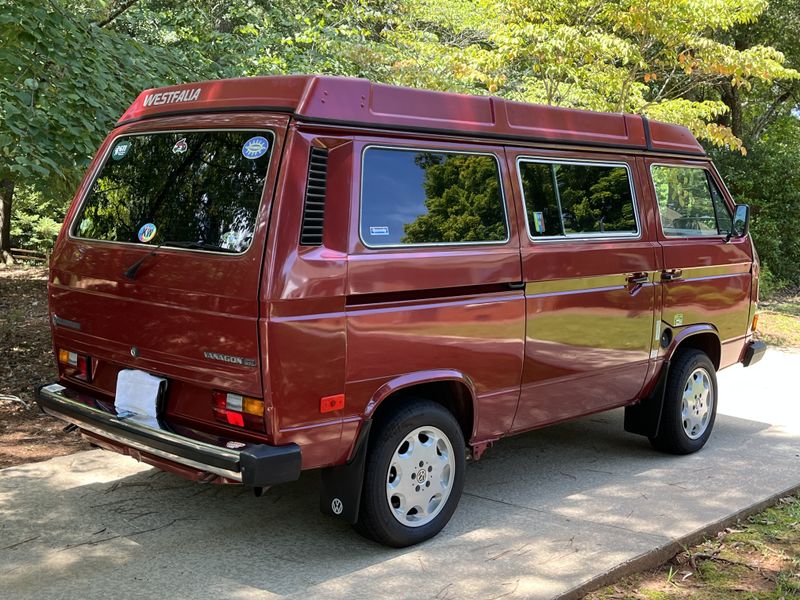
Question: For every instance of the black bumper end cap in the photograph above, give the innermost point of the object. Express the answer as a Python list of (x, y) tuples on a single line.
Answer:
[(262, 466), (754, 353)]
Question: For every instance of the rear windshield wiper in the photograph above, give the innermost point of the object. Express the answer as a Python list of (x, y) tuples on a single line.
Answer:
[(131, 271), (195, 246)]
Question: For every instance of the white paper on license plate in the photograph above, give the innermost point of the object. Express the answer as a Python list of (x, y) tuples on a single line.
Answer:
[(137, 396)]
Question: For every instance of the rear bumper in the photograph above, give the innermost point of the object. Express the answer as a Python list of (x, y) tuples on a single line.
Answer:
[(753, 352), (258, 465)]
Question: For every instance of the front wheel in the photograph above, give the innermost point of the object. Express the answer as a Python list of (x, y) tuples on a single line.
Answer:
[(414, 475), (690, 404)]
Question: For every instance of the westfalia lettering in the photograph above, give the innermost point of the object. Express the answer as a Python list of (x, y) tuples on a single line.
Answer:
[(172, 97)]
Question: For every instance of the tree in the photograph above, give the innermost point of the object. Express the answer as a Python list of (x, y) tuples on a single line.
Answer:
[(63, 83), (638, 56), (753, 108)]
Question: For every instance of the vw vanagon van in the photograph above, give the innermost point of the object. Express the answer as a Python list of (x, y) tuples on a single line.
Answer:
[(263, 276)]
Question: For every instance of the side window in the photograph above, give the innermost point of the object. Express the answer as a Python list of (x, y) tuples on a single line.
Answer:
[(689, 202), (577, 199), (421, 197)]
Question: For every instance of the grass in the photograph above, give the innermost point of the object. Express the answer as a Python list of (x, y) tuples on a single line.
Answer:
[(759, 558), (779, 321)]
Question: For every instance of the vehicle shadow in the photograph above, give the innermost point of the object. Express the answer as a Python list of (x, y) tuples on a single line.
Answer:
[(541, 512)]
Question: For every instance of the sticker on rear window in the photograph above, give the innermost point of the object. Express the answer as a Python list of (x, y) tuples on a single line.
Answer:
[(121, 149), (383, 230), (180, 146), (538, 222), (147, 232), (255, 147)]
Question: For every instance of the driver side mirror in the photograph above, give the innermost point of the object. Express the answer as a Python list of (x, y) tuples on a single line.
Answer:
[(741, 221)]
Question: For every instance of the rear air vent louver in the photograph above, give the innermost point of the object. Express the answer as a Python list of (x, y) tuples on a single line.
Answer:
[(314, 207)]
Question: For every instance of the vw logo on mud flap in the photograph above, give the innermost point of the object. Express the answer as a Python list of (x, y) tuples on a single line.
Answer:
[(336, 506)]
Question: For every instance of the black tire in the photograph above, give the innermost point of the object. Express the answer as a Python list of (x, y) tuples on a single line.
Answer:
[(673, 437), (376, 520)]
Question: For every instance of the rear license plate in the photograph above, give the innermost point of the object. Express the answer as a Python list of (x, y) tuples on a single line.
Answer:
[(139, 395)]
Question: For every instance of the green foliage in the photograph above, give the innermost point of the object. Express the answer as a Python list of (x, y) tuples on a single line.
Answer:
[(37, 220), (769, 181), (63, 83), (624, 55)]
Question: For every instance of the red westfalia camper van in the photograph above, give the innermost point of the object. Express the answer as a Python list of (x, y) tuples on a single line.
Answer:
[(262, 276)]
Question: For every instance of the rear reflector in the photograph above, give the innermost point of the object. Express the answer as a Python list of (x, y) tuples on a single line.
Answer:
[(331, 403), (238, 410)]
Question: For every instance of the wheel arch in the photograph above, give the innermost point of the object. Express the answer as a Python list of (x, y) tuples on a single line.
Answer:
[(703, 337), (451, 388), (644, 417)]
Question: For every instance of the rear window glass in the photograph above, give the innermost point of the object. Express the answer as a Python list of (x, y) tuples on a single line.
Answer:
[(689, 202), (190, 189), (417, 197), (577, 199)]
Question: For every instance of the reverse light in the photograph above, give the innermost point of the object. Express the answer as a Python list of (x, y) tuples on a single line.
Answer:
[(238, 410), (77, 365)]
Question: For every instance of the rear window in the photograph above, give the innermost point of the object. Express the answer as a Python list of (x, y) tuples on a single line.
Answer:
[(190, 189), (577, 199), (427, 197)]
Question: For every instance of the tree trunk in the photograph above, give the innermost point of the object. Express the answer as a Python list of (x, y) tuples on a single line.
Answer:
[(6, 196), (730, 96)]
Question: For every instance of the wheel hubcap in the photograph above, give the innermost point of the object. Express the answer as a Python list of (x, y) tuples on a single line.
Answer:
[(697, 403), (420, 476)]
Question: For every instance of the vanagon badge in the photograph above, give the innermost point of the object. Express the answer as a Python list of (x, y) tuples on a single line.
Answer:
[(234, 360)]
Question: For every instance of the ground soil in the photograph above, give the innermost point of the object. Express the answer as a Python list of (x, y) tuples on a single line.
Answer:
[(26, 360)]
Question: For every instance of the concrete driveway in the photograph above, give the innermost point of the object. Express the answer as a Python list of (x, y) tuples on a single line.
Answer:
[(542, 515)]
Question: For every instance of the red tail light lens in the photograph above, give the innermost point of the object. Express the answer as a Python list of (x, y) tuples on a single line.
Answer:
[(238, 410), (75, 365)]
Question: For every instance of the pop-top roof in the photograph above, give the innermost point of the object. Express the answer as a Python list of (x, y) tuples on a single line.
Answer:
[(359, 102)]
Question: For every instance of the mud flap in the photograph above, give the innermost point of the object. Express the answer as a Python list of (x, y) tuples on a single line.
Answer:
[(644, 418), (340, 495)]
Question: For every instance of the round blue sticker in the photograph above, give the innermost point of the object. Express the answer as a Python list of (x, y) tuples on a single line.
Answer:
[(255, 147), (147, 232)]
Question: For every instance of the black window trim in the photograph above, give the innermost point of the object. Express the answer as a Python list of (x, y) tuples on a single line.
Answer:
[(709, 181), (434, 244), (571, 237), (113, 142)]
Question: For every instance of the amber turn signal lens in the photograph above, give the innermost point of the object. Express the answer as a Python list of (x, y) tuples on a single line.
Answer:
[(253, 406), (63, 356), (755, 322)]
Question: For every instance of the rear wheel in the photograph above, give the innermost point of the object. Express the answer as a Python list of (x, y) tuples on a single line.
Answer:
[(690, 404), (414, 475)]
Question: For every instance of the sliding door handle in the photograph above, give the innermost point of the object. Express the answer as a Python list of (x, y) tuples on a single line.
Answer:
[(671, 275), (516, 285), (638, 279)]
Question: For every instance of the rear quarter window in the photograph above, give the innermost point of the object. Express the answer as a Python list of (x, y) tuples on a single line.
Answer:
[(191, 189), (417, 197)]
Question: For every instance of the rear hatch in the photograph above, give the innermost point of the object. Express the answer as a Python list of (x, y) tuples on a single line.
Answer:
[(159, 262)]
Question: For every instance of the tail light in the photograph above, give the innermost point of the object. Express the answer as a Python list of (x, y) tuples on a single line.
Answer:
[(75, 365), (241, 411)]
